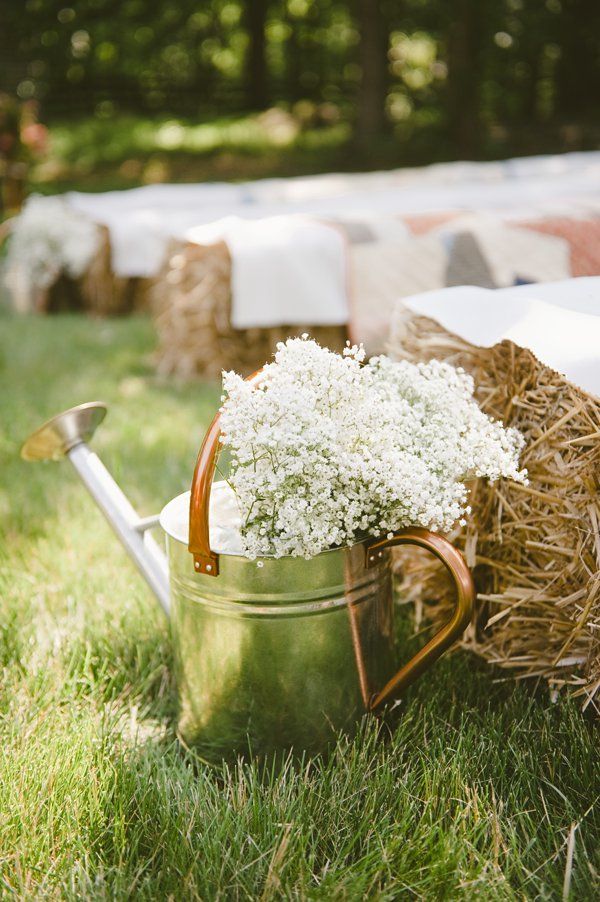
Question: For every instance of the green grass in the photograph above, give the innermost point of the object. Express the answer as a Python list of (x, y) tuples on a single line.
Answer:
[(91, 154), (125, 150), (470, 792)]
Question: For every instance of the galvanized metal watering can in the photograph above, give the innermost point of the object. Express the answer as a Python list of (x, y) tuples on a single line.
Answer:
[(269, 658)]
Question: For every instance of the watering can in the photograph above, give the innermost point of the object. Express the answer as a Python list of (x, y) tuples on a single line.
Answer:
[(268, 658)]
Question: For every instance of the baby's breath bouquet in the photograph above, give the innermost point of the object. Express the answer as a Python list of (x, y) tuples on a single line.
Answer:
[(327, 449)]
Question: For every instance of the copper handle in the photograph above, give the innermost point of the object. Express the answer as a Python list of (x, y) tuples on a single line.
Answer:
[(465, 600), (205, 560)]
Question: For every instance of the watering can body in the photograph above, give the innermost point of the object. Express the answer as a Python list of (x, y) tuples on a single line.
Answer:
[(277, 654), (271, 655)]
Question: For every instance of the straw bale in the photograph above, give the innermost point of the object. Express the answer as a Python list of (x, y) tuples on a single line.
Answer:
[(535, 549), (98, 291), (191, 303), (102, 292)]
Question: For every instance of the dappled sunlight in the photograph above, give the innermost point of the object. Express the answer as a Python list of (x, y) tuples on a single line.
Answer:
[(134, 150)]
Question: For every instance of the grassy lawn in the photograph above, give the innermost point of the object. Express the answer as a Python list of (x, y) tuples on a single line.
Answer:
[(93, 154), (127, 150), (476, 789)]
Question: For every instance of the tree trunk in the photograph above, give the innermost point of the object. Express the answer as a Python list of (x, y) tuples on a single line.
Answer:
[(257, 93), (577, 75), (371, 118), (463, 77), (293, 61)]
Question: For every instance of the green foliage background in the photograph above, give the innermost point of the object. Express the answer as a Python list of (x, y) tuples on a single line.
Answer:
[(459, 77)]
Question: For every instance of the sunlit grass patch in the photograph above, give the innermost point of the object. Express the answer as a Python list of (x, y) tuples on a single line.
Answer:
[(100, 154)]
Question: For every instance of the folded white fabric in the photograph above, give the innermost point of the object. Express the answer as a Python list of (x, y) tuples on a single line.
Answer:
[(559, 322), (285, 270), (141, 222), (290, 270)]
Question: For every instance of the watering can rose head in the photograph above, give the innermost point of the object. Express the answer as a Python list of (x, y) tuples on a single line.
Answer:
[(326, 449)]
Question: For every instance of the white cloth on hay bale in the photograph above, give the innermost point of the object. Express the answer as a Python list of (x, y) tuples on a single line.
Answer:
[(285, 269), (558, 321), (405, 231), (142, 221)]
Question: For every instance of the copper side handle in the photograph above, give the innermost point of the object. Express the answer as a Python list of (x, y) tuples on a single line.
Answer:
[(465, 600), (205, 560)]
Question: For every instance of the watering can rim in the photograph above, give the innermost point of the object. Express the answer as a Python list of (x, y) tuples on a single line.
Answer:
[(174, 518)]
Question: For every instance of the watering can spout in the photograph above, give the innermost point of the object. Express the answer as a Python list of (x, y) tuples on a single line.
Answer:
[(66, 435)]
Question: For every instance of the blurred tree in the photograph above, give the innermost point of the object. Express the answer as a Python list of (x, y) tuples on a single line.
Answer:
[(257, 92), (577, 55), (465, 40), (462, 77), (373, 47)]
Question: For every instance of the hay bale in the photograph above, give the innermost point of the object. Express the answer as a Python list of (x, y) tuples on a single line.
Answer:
[(535, 549), (191, 302), (98, 291), (102, 292)]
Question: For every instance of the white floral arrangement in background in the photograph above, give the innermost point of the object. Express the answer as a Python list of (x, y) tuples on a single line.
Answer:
[(326, 449), (48, 238)]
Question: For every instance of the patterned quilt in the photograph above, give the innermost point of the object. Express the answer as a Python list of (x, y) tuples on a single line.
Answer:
[(394, 257)]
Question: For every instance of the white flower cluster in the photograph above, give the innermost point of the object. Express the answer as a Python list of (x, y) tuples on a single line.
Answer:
[(49, 238), (326, 450)]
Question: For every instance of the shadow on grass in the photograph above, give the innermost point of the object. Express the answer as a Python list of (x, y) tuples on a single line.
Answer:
[(468, 789)]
